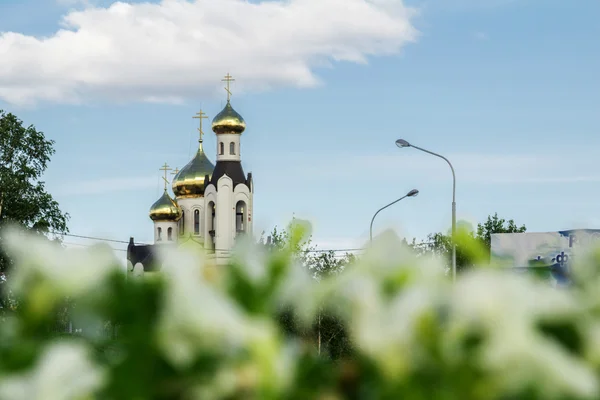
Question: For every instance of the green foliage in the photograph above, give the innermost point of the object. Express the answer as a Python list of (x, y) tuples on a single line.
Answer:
[(494, 224), (24, 156), (200, 331), (327, 332), (472, 248), (320, 263)]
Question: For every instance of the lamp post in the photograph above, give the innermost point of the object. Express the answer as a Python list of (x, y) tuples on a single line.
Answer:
[(412, 193), (403, 143)]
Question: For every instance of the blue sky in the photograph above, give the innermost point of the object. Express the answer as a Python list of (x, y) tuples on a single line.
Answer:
[(509, 91)]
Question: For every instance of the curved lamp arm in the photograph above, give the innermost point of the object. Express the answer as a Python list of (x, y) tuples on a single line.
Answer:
[(451, 168), (382, 208)]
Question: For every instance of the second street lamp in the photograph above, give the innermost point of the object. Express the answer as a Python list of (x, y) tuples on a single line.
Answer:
[(412, 193)]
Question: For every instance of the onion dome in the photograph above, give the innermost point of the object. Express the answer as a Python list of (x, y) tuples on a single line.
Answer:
[(165, 209), (189, 182), (228, 121)]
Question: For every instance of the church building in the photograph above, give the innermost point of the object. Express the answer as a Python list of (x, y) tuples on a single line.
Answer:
[(212, 203)]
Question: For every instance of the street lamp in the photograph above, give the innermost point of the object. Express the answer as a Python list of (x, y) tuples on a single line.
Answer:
[(412, 193), (403, 143)]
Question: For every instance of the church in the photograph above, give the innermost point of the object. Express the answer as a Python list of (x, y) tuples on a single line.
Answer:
[(212, 203)]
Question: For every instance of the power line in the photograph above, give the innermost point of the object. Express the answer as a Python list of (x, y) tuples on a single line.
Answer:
[(88, 245), (94, 238), (348, 250)]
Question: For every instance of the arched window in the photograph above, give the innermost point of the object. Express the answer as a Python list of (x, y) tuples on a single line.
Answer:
[(210, 224), (159, 232), (182, 223), (232, 148), (240, 217), (221, 148), (169, 234), (196, 222)]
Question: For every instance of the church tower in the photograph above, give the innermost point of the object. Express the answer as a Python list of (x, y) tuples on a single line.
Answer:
[(228, 195), (189, 185), (213, 202), (165, 213)]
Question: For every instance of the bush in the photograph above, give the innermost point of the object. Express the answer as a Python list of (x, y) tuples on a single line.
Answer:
[(248, 330)]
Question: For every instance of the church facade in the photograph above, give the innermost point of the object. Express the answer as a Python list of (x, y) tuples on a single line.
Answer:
[(212, 203)]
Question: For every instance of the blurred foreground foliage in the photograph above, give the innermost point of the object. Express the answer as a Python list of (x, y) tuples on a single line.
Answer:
[(250, 330)]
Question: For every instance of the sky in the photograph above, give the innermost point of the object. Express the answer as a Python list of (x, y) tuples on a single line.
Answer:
[(507, 90)]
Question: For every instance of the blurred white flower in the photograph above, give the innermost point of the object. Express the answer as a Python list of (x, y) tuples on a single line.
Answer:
[(390, 258), (506, 309), (523, 358), (491, 297), (274, 362), (251, 260), (299, 290), (196, 315), (390, 331), (223, 385), (272, 370), (68, 271), (64, 371), (592, 340)]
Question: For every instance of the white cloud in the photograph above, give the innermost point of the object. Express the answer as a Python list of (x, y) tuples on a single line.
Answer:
[(106, 185), (176, 49)]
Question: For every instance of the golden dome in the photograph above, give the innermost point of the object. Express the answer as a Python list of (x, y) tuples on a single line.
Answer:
[(228, 121), (189, 182), (165, 209)]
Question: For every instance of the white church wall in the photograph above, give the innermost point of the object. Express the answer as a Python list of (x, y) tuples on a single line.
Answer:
[(242, 194), (138, 270), (199, 230), (224, 151), (210, 198), (189, 205), (224, 233), (165, 232), (182, 223), (210, 193), (251, 210)]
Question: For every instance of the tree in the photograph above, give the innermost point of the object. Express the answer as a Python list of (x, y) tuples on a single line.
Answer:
[(280, 239), (328, 331), (441, 244), (496, 225), (24, 156), (320, 262)]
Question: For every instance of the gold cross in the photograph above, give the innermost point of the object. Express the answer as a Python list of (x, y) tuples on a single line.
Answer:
[(175, 172), (200, 115), (228, 79), (165, 168)]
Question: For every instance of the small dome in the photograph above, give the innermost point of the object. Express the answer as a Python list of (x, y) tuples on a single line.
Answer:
[(165, 209), (228, 121), (189, 182)]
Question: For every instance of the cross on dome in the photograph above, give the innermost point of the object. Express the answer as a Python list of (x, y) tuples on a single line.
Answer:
[(228, 79), (200, 115), (165, 168)]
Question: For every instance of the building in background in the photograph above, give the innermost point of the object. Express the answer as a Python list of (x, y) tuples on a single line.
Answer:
[(542, 252), (212, 203)]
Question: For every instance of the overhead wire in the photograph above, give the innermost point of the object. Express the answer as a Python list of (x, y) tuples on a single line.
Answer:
[(88, 245), (347, 250)]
